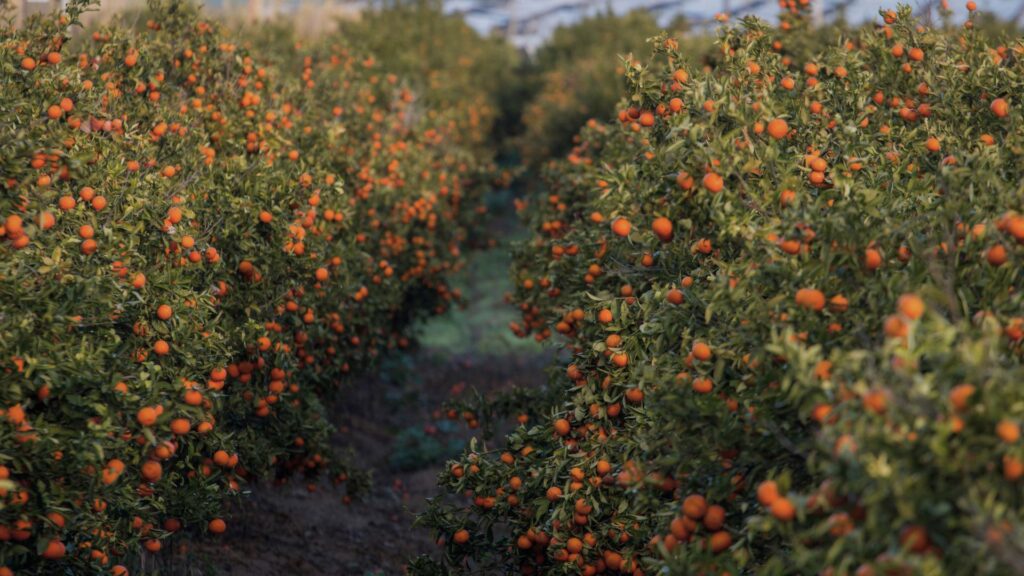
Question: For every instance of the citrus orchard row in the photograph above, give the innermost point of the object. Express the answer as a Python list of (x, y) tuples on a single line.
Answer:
[(790, 287), (202, 235)]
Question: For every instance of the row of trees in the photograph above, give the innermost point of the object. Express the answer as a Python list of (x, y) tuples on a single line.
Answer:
[(203, 233), (787, 281)]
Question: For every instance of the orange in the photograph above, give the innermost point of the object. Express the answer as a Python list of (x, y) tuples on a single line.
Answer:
[(1000, 107), (783, 509), (767, 493), (1008, 431), (1013, 468), (960, 395), (562, 427), (180, 426), (702, 385), (54, 550), (720, 541), (662, 228), (872, 259), (810, 298), (778, 128), (695, 506), (161, 347), (701, 351), (217, 526), (996, 255), (152, 471), (146, 416), (712, 182), (621, 227), (714, 519), (911, 306)]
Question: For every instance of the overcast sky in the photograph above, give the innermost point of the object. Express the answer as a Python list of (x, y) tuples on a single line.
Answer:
[(538, 18)]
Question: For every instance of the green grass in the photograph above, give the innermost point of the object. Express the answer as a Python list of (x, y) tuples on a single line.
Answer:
[(481, 328)]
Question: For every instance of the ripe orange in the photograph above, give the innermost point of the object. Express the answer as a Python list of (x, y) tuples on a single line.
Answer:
[(662, 228), (180, 426), (810, 298), (164, 312), (675, 296), (695, 506), (562, 427), (701, 351), (720, 541), (54, 550), (713, 182), (1000, 107), (152, 471), (161, 347), (714, 519), (767, 493), (872, 259), (778, 128), (621, 227), (783, 509), (1008, 432), (996, 255), (146, 416), (911, 306), (702, 385), (960, 395)]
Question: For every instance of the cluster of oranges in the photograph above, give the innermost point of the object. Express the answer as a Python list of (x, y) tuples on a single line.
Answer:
[(788, 285), (199, 240)]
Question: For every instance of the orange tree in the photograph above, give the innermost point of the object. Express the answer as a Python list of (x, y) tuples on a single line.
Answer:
[(474, 80), (790, 289), (577, 75), (199, 241)]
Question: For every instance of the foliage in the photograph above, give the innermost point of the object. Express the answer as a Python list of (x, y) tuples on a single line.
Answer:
[(577, 75), (445, 60), (200, 241), (790, 285)]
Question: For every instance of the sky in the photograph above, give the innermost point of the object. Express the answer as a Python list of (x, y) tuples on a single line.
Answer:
[(538, 18)]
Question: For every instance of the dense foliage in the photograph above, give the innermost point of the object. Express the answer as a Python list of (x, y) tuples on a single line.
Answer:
[(200, 241), (577, 75), (475, 80), (790, 286)]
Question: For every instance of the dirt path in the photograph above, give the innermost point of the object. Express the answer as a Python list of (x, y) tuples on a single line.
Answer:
[(393, 424)]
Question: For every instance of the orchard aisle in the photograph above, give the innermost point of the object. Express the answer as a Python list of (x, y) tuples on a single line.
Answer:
[(393, 423)]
